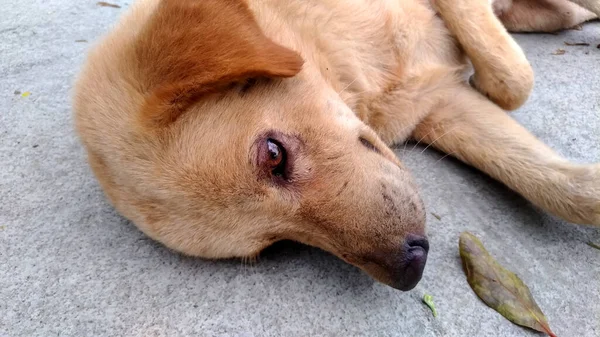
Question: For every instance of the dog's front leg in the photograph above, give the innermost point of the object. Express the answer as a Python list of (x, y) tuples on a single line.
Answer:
[(502, 71), (476, 131)]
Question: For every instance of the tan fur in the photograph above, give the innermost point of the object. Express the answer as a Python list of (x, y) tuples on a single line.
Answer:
[(172, 104)]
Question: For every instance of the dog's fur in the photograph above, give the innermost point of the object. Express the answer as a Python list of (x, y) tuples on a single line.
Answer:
[(174, 107)]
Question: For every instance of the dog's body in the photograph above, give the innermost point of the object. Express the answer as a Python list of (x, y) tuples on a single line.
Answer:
[(220, 127)]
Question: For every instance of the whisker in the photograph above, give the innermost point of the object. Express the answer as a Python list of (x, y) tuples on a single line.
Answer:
[(420, 140), (406, 127), (458, 184), (407, 140), (243, 264), (439, 160), (347, 86), (438, 138), (331, 16), (354, 94), (248, 264), (332, 52), (474, 193), (404, 149), (305, 13)]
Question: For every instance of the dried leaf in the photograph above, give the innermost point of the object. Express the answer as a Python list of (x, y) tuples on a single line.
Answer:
[(17, 92), (436, 216), (499, 288), (106, 4), (559, 52), (576, 43), (81, 40), (26, 94), (428, 299), (593, 245)]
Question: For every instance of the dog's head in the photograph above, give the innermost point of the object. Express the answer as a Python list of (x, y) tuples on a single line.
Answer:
[(239, 144)]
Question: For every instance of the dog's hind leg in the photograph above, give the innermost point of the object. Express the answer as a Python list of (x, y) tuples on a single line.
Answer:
[(502, 71), (477, 132), (540, 15), (591, 5)]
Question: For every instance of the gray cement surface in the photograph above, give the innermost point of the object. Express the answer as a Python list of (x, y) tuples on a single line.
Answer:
[(71, 266)]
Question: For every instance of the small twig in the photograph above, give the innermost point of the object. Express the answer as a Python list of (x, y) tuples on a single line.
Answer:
[(593, 245), (577, 43), (106, 4)]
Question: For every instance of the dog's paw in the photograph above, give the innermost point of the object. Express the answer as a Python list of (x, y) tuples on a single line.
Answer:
[(508, 92)]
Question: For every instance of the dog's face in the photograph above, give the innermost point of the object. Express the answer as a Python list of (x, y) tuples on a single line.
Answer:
[(281, 160), (254, 150)]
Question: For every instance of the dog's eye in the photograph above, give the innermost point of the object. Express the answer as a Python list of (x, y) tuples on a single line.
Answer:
[(275, 154), (276, 158)]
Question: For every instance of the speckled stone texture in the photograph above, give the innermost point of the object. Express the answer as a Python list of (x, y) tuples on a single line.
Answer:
[(71, 266)]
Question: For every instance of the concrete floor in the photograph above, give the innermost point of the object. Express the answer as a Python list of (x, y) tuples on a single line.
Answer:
[(70, 266)]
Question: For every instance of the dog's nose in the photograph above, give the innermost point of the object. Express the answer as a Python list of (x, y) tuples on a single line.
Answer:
[(406, 268), (400, 267), (415, 243), (412, 262)]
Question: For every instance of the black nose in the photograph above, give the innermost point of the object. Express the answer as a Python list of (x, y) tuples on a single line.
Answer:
[(412, 263), (415, 242)]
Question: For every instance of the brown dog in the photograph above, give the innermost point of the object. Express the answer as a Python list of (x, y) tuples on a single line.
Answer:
[(221, 126)]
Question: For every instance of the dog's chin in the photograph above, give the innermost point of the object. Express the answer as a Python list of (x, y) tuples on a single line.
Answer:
[(406, 281)]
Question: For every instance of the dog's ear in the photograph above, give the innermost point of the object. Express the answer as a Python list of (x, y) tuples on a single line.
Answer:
[(191, 48)]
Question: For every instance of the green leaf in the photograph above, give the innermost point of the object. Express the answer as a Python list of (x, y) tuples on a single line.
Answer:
[(26, 94), (428, 299), (499, 288)]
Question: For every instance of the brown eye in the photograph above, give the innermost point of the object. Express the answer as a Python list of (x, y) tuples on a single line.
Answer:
[(276, 159), (275, 156)]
